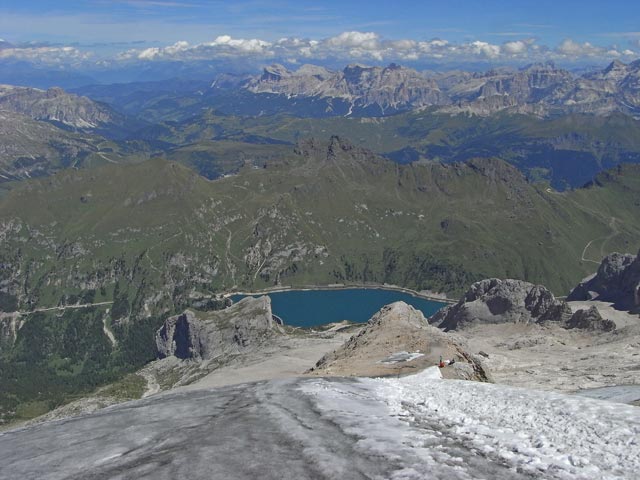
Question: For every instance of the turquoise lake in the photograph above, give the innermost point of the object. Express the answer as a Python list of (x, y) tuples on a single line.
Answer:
[(310, 308)]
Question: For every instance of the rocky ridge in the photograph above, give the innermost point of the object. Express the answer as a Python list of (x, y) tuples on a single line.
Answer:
[(56, 105), (391, 88), (398, 340), (538, 89), (495, 301)]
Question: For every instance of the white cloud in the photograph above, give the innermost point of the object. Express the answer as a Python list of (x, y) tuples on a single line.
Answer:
[(355, 40), (569, 48), (345, 47), (518, 47), (484, 49), (403, 45), (45, 54), (354, 45), (156, 52), (222, 46), (241, 45)]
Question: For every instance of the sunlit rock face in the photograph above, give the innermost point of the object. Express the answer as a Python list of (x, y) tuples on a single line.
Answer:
[(617, 281)]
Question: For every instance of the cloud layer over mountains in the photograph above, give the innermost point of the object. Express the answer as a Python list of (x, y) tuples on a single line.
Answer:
[(346, 46)]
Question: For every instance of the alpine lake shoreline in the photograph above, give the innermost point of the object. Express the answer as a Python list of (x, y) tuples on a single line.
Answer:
[(365, 301)]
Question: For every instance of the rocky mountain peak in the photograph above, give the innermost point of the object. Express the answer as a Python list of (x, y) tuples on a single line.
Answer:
[(55, 92), (338, 143), (392, 88), (538, 66), (497, 170), (613, 73), (395, 340), (617, 281), (540, 89), (56, 105), (502, 301), (616, 65), (275, 73), (336, 149), (496, 301), (315, 70), (399, 313)]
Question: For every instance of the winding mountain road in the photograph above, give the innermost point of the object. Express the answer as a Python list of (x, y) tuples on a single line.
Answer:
[(65, 307), (605, 240)]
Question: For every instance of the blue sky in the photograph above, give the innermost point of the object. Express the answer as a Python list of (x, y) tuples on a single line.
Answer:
[(127, 29)]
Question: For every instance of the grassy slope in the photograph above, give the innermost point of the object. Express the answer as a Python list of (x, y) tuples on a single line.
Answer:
[(33, 148), (483, 217), (154, 236), (567, 150)]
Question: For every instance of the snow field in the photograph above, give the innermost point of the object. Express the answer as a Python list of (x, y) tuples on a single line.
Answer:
[(458, 429)]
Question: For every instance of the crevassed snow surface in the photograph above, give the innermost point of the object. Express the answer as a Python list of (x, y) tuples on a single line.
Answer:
[(452, 427), (410, 428)]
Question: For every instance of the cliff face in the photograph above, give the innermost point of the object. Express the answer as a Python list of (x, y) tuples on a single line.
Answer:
[(617, 281), (231, 331)]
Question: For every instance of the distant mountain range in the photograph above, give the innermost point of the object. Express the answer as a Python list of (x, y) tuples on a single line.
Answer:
[(216, 128), (391, 89), (42, 131), (538, 89), (57, 106)]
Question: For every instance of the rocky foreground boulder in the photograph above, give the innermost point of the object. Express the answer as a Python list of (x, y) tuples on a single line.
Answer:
[(617, 281), (496, 301), (204, 336), (590, 319), (398, 340)]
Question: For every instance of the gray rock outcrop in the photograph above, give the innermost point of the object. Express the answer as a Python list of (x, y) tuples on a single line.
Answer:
[(398, 339), (234, 330), (590, 320), (502, 301), (617, 281)]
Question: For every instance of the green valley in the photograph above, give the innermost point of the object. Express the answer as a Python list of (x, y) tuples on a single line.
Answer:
[(148, 240)]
